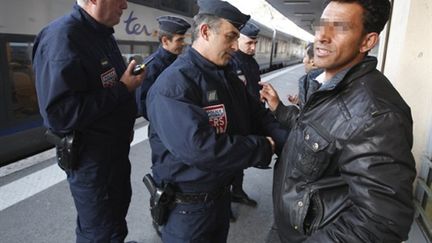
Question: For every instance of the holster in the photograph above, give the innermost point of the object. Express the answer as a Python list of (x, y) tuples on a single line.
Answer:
[(161, 200), (66, 149)]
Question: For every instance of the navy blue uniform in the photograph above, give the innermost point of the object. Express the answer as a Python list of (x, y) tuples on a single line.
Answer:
[(161, 60), (210, 129), (78, 65), (247, 65)]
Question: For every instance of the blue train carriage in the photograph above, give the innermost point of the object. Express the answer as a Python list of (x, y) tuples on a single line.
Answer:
[(21, 130)]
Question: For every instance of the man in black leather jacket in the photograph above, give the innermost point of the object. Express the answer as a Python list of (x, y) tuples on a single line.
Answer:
[(346, 171)]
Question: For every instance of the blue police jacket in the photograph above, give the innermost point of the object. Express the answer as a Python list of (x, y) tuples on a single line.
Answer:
[(205, 126), (77, 65), (246, 65), (161, 60)]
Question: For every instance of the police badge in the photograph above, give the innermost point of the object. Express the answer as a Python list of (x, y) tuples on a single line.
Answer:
[(108, 78), (217, 117)]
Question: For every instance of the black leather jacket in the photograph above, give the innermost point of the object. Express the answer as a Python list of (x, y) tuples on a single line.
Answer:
[(346, 170)]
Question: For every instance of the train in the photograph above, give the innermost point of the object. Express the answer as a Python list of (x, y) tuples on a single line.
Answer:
[(21, 126)]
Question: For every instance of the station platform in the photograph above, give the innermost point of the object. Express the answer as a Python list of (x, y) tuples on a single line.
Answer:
[(36, 205)]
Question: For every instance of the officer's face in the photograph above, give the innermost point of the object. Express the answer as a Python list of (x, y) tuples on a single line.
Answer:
[(247, 45), (339, 39), (222, 43), (108, 12), (175, 45)]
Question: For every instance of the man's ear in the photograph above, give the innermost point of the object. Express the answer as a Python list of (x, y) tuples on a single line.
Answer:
[(369, 42), (164, 40), (93, 2), (205, 31)]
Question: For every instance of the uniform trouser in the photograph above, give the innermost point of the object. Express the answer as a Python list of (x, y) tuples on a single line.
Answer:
[(101, 190), (199, 223)]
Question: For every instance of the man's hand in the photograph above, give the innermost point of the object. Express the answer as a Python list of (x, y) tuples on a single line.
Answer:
[(268, 94), (294, 99), (272, 143), (265, 163), (132, 81)]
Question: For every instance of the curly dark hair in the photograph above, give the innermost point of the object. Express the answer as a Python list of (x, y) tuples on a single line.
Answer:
[(376, 13)]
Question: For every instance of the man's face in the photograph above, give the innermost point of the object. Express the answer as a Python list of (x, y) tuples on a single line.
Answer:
[(223, 43), (339, 37), (175, 45), (108, 12), (247, 45), (308, 63)]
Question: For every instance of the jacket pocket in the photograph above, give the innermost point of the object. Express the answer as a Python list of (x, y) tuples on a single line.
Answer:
[(312, 156), (328, 198)]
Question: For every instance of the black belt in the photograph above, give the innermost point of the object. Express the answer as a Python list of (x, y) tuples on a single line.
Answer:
[(201, 197)]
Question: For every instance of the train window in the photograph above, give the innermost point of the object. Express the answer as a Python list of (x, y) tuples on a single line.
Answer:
[(22, 89), (269, 46), (259, 45), (125, 50), (137, 51)]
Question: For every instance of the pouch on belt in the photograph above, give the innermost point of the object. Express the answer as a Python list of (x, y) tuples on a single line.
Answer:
[(66, 149)]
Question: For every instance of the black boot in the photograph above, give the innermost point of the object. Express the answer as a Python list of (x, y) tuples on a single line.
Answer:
[(241, 197)]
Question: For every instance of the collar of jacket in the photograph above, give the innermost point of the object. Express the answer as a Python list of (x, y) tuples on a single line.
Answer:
[(166, 55), (346, 76), (202, 62), (80, 14), (243, 55)]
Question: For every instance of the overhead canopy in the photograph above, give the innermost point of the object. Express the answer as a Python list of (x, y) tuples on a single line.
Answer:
[(303, 13)]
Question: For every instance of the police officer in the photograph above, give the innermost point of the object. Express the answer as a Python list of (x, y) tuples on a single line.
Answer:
[(210, 129), (172, 38), (86, 92), (245, 64)]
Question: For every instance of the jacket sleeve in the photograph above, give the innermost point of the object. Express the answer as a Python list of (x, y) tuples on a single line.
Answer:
[(151, 75), (71, 105), (379, 169), (183, 127), (266, 124), (286, 115)]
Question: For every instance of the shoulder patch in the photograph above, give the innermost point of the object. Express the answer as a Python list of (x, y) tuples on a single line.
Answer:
[(108, 78), (217, 117)]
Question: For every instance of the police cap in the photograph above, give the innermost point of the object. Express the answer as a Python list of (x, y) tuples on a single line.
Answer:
[(250, 30), (223, 10), (173, 25)]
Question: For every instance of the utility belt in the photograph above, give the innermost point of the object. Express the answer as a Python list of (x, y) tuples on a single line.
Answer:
[(192, 198), (162, 200), (66, 149)]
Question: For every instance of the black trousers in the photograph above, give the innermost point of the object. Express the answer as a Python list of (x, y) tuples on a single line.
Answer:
[(101, 190)]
